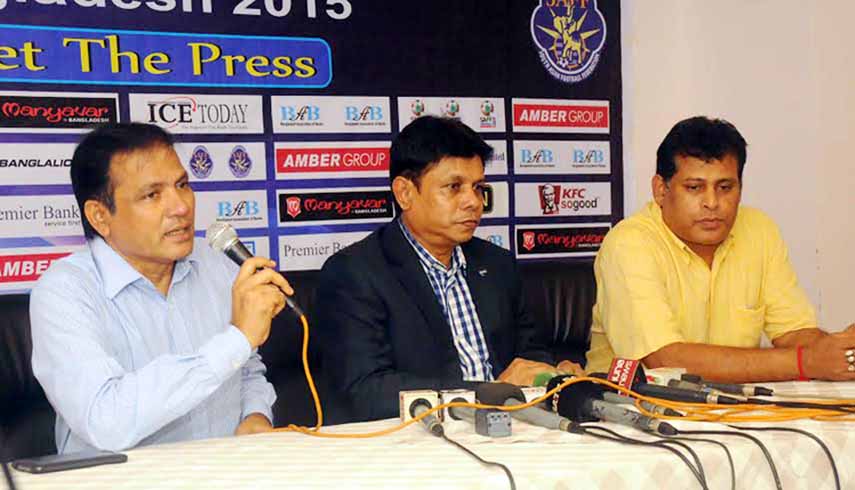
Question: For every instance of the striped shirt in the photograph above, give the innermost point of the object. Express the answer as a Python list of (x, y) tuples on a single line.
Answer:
[(452, 291)]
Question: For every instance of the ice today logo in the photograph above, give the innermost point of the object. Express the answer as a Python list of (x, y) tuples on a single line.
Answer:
[(570, 36)]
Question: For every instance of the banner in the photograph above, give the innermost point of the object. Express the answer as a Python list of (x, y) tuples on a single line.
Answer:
[(284, 111)]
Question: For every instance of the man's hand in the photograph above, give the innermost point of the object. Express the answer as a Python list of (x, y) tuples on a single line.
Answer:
[(257, 296), (826, 359), (521, 372), (254, 423)]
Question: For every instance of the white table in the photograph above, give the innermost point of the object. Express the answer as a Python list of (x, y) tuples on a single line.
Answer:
[(413, 459)]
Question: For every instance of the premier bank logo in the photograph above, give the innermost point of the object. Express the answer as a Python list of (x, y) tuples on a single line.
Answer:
[(25, 268)]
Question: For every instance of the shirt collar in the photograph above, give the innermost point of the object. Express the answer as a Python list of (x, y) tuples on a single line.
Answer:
[(458, 260), (116, 273)]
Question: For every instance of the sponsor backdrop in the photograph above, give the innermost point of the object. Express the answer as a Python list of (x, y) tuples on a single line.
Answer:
[(284, 112)]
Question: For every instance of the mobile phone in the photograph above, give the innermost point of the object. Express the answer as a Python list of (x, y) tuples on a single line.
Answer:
[(70, 461)]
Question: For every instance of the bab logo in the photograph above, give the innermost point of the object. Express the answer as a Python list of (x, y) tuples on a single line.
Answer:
[(539, 156), (227, 209), (303, 113), (570, 36), (590, 156), (367, 113)]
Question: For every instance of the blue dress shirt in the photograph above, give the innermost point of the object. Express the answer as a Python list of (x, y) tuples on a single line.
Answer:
[(123, 365)]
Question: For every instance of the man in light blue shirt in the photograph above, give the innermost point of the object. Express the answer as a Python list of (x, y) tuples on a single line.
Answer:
[(144, 337)]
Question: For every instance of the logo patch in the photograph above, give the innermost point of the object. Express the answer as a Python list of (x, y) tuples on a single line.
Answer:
[(570, 36), (239, 162), (201, 163)]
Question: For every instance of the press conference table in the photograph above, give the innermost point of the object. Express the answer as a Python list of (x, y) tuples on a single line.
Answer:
[(413, 459)]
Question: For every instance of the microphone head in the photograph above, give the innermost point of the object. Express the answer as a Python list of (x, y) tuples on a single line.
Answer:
[(570, 401), (497, 393), (220, 235)]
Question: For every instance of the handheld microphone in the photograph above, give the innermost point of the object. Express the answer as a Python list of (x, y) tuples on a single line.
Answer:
[(431, 422), (679, 383), (615, 398), (510, 395), (583, 402), (732, 388), (223, 238), (487, 422)]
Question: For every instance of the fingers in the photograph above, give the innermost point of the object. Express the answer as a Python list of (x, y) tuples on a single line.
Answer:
[(259, 270), (248, 268), (570, 367)]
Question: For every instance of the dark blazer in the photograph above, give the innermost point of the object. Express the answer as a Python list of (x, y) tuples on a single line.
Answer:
[(381, 329)]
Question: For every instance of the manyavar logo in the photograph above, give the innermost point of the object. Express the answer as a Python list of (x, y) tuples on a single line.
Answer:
[(199, 113), (348, 206), (28, 267), (560, 240), (56, 111), (570, 36), (345, 159), (551, 116)]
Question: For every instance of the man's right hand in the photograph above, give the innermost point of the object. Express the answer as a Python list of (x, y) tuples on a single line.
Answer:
[(257, 297), (825, 357)]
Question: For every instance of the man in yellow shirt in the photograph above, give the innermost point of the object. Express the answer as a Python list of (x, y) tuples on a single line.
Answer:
[(693, 280)]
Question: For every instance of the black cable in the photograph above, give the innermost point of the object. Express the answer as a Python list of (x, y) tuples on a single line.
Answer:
[(726, 452), (755, 440), (843, 408), (806, 433), (8, 474), (616, 437), (483, 461)]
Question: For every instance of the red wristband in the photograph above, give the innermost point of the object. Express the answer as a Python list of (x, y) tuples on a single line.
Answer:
[(799, 358)]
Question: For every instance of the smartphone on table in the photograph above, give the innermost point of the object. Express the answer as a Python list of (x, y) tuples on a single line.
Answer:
[(70, 461)]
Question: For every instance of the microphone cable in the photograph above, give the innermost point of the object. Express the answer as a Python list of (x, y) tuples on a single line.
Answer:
[(7, 473), (726, 453), (755, 440), (481, 460), (819, 441), (698, 472)]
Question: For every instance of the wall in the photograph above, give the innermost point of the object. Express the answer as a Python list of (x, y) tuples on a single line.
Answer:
[(782, 72)]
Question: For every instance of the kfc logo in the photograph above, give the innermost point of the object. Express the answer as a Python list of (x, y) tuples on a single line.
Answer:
[(293, 207), (549, 198)]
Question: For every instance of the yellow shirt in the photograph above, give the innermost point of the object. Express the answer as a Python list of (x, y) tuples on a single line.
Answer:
[(653, 290)]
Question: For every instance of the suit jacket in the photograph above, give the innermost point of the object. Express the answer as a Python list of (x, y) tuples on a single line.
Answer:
[(381, 329)]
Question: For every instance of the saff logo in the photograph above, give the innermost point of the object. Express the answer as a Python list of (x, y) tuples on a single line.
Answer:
[(528, 240), (302, 113), (570, 35), (367, 113), (417, 108), (200, 162), (451, 109), (293, 206), (487, 119), (239, 162), (227, 209)]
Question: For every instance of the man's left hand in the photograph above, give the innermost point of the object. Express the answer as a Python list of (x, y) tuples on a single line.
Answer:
[(521, 372), (254, 423)]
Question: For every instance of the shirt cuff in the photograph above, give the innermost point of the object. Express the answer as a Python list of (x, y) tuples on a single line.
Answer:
[(257, 406), (226, 352)]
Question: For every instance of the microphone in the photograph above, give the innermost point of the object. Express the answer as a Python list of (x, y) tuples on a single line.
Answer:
[(509, 395), (615, 398), (583, 402), (629, 374), (732, 388), (487, 422), (679, 383), (431, 422), (223, 238)]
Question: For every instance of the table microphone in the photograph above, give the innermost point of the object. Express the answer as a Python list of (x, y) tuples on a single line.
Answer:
[(629, 374), (431, 422), (223, 238), (510, 395), (583, 402)]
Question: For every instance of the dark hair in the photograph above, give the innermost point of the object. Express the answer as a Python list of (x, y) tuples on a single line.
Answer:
[(429, 139), (90, 165), (700, 137)]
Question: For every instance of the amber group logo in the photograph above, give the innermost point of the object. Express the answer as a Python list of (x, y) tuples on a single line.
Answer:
[(570, 36)]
